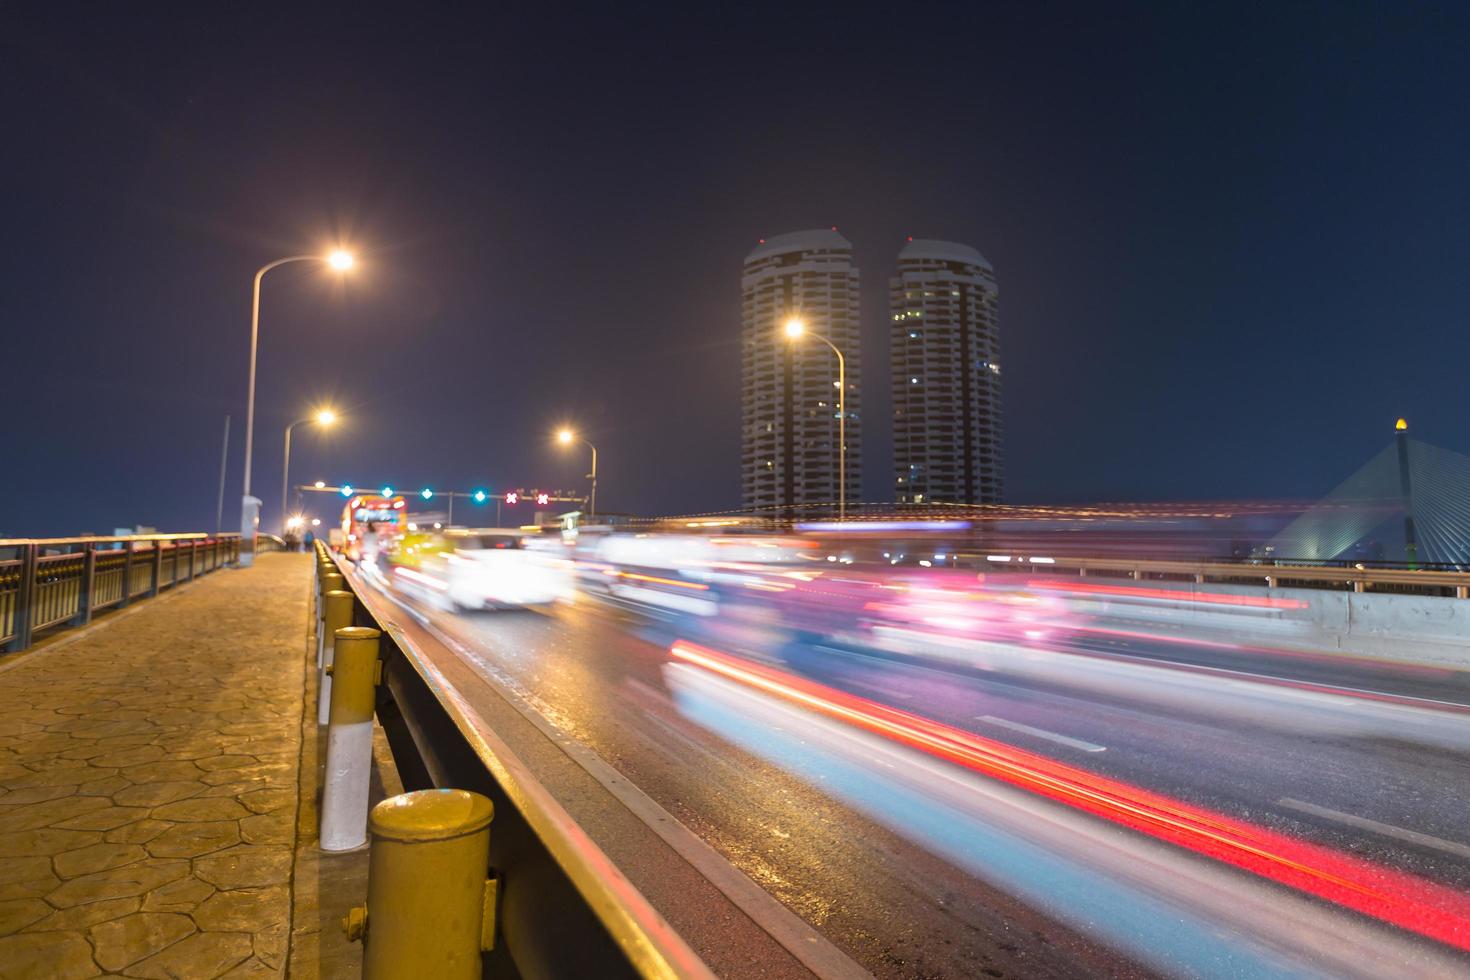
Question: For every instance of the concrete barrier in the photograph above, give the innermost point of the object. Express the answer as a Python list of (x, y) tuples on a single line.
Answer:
[(1417, 629)]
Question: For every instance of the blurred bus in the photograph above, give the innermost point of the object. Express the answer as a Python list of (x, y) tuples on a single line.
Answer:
[(372, 525)]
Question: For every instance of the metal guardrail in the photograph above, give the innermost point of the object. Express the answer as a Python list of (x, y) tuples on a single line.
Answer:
[(1271, 575), (47, 583), (564, 909)]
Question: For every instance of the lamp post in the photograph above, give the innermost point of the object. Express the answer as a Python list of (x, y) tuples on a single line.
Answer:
[(324, 418), (339, 260), (795, 330), (566, 437), (1406, 493)]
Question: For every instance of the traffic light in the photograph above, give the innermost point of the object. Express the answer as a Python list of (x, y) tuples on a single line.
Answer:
[(543, 499), (347, 490), (512, 497), (480, 496), (426, 493)]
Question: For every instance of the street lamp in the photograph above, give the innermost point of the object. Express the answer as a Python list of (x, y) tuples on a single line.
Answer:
[(796, 329), (566, 437), (339, 260), (324, 418)]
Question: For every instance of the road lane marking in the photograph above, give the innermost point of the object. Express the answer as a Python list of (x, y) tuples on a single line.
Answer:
[(879, 689), (1067, 740), (1387, 830)]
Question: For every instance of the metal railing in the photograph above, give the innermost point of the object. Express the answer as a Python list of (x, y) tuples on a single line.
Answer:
[(564, 910), (47, 583), (1271, 575)]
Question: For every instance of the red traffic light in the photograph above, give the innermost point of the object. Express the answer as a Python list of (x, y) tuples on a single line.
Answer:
[(512, 497), (543, 499)]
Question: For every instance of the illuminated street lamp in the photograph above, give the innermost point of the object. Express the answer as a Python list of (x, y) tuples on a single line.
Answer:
[(796, 329), (1406, 493), (566, 437), (324, 418), (339, 260)]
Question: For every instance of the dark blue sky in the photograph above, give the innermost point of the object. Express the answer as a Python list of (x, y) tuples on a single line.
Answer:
[(1231, 240)]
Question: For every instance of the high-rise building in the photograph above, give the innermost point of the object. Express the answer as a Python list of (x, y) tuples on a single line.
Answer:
[(946, 376), (789, 394)]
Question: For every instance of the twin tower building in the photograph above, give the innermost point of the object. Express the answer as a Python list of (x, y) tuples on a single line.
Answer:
[(942, 306)]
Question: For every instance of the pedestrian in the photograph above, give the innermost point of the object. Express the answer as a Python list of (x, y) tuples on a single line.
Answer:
[(309, 540)]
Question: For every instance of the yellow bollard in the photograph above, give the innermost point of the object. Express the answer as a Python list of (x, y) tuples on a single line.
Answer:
[(330, 581), (322, 569), (355, 672), (338, 606), (431, 909)]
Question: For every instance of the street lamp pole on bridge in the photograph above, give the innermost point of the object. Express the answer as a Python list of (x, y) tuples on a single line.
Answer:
[(566, 437), (323, 418), (339, 260), (795, 329)]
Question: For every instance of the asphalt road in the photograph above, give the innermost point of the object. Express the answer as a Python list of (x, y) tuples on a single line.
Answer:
[(916, 869)]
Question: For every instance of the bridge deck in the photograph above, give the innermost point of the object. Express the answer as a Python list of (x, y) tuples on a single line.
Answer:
[(150, 801)]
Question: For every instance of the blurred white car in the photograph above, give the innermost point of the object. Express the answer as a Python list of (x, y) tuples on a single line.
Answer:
[(488, 569)]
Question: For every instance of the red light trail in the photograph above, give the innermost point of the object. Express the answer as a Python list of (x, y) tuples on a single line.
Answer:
[(1401, 899)]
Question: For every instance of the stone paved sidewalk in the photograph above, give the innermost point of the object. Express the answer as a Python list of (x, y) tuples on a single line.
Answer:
[(149, 785)]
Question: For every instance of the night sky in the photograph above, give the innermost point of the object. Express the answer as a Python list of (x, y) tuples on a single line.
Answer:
[(1231, 241)]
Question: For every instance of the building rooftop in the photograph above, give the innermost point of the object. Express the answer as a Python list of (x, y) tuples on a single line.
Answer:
[(798, 241), (930, 248)]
